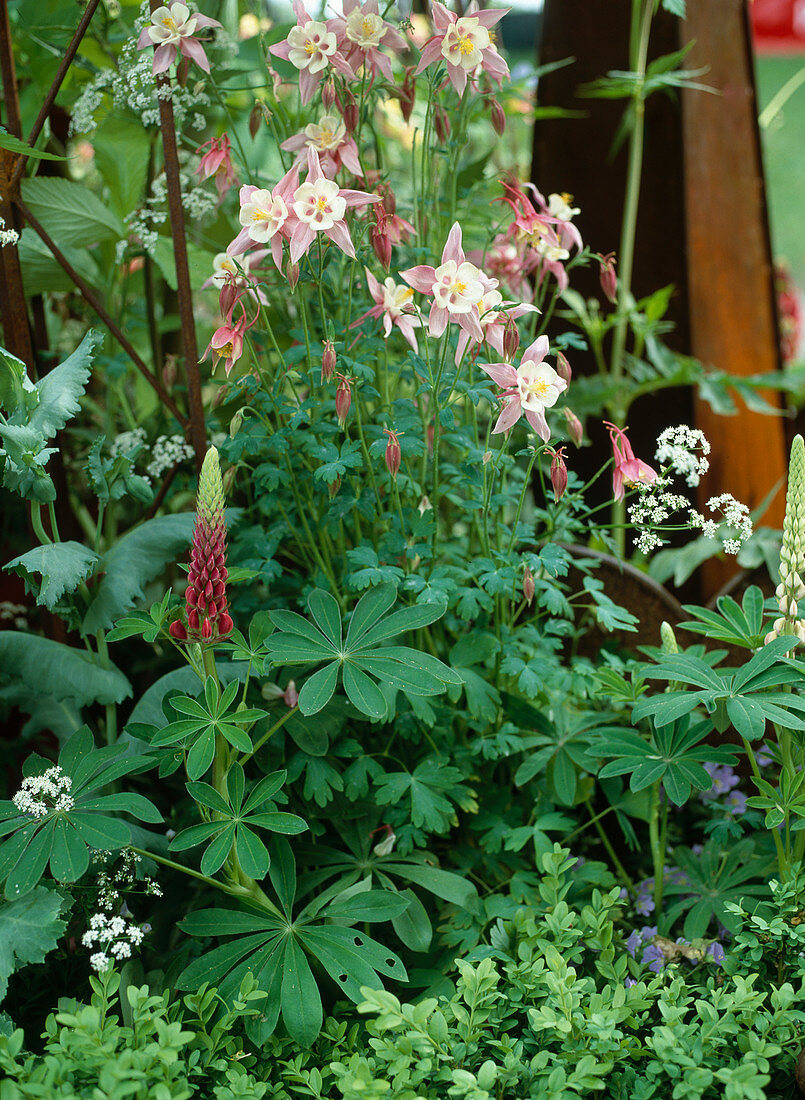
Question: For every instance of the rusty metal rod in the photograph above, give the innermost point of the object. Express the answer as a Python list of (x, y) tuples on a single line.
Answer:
[(53, 91), (92, 299), (197, 429)]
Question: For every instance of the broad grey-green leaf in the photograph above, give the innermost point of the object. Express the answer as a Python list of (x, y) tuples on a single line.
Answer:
[(62, 566), (30, 927), (60, 670), (70, 212), (61, 388), (42, 274)]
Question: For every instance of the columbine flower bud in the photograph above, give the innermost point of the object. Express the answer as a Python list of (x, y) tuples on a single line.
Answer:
[(343, 399), (511, 338), (441, 124), (558, 475), (381, 241), (487, 457), (206, 606), (333, 488), (498, 117), (408, 93), (393, 452), (529, 586), (290, 695), (292, 274), (228, 480), (255, 118), (607, 276), (575, 428), (563, 367), (235, 424), (350, 112), (328, 361), (328, 93), (424, 506)]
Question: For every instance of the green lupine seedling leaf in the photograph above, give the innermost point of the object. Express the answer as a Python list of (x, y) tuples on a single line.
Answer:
[(58, 814), (360, 659), (208, 715), (235, 823)]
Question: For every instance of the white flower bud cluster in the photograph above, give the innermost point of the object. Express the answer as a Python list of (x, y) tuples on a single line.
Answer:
[(127, 442), (40, 795), (684, 450), (791, 589), (115, 936), (733, 515), (167, 452), (7, 236)]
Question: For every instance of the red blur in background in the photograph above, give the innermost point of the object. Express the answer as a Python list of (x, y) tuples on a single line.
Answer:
[(778, 25)]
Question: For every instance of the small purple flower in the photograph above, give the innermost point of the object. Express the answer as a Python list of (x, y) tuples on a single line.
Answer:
[(736, 803), (764, 757), (653, 958), (724, 779), (716, 952)]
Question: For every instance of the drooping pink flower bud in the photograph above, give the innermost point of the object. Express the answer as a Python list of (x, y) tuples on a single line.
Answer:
[(498, 117), (206, 606), (255, 118), (408, 93), (350, 112), (558, 474), (381, 241), (528, 586), (343, 399), (575, 428), (441, 124), (328, 361), (389, 199), (511, 338), (393, 452), (328, 93), (217, 162), (292, 274), (563, 367), (607, 276), (333, 488), (228, 297), (290, 696)]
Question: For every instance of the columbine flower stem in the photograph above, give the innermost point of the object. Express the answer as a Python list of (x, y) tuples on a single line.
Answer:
[(642, 11), (616, 863), (526, 483)]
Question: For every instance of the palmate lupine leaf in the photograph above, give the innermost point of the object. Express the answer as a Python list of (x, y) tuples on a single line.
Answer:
[(235, 822), (63, 837), (361, 658), (213, 712), (278, 949), (674, 756)]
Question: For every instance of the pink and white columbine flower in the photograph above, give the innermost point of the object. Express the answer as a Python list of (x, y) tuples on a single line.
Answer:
[(313, 48), (545, 229), (464, 43), (528, 390), (217, 162), (455, 286), (172, 31), (227, 342), (331, 141), (266, 216), (319, 206), (492, 313), (364, 31), (628, 469), (394, 303)]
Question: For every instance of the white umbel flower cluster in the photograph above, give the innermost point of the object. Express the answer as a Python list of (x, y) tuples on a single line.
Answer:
[(43, 794), (683, 452), (167, 452), (7, 236), (114, 936)]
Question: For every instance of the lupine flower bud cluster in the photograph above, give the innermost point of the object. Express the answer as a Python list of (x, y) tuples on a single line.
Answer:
[(40, 795), (792, 552), (208, 616)]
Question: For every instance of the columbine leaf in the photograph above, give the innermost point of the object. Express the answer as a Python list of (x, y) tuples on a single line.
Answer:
[(30, 927)]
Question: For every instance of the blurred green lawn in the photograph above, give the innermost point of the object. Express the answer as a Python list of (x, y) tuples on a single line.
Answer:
[(783, 140)]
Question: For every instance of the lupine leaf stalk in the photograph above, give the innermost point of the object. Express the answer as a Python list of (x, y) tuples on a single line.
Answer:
[(207, 611)]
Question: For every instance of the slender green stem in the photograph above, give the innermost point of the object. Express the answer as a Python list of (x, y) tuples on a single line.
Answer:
[(269, 733), (36, 523), (616, 863), (657, 849), (526, 483), (782, 862)]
